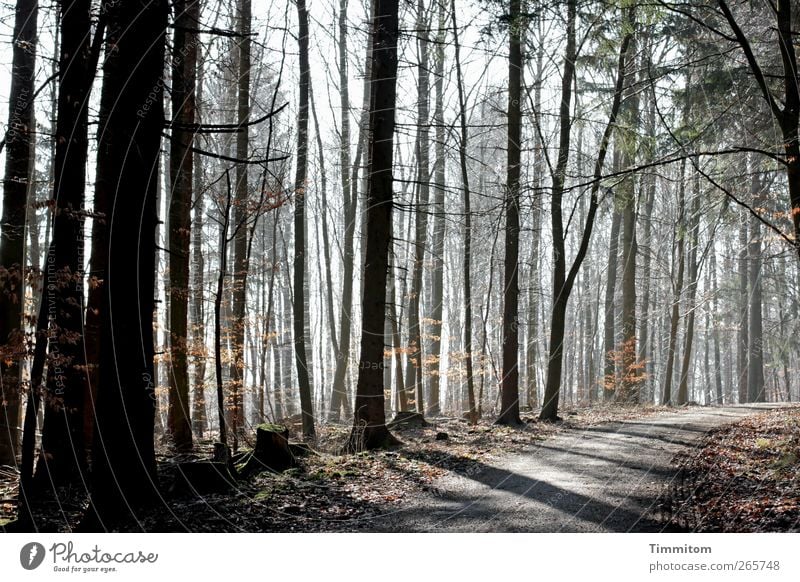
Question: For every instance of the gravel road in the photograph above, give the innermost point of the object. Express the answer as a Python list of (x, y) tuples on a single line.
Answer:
[(605, 478)]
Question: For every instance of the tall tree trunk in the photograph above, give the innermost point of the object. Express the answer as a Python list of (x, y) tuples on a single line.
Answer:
[(300, 188), (755, 346), (744, 320), (369, 425), (240, 230), (560, 289), (563, 280), (63, 457), (123, 464), (720, 395), (198, 278), (509, 405), (472, 412), (677, 290), (289, 389), (630, 381), (339, 399), (649, 187), (414, 359), (437, 249), (326, 244), (269, 331), (184, 62), (397, 345), (609, 327), (198, 325), (534, 284), (691, 291), (18, 139), (222, 413)]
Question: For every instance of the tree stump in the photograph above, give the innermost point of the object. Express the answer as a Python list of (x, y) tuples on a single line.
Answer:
[(408, 420), (272, 451)]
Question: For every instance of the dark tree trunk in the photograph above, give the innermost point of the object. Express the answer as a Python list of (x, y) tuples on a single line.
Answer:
[(369, 425), (222, 415), (123, 463), (18, 138), (184, 62), (509, 402), (63, 456), (300, 188), (239, 231)]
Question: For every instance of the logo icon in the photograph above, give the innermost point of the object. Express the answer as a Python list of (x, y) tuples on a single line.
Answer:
[(31, 555)]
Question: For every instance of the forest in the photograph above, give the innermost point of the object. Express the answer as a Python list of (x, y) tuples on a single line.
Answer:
[(317, 265)]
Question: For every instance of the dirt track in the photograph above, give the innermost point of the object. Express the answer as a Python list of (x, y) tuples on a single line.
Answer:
[(605, 478)]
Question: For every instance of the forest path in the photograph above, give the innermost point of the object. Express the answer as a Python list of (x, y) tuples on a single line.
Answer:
[(605, 478)]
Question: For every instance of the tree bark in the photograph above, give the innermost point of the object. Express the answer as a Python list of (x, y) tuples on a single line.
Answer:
[(63, 456), (300, 189), (509, 404), (18, 138), (184, 62), (369, 425), (241, 216), (123, 465)]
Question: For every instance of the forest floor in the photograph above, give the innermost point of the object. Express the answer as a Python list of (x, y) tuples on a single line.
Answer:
[(601, 469)]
